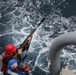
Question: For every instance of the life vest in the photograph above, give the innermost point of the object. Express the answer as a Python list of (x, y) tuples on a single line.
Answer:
[(4, 66), (9, 72)]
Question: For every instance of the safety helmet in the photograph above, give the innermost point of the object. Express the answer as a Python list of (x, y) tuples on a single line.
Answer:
[(10, 48), (11, 62)]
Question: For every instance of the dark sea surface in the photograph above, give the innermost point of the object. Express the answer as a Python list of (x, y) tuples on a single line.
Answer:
[(19, 17)]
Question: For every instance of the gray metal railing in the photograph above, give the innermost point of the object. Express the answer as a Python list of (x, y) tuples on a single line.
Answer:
[(54, 53)]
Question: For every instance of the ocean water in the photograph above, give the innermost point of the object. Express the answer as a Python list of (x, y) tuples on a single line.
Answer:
[(19, 17)]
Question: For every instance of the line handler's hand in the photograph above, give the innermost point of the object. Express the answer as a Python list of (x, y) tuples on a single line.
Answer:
[(20, 50)]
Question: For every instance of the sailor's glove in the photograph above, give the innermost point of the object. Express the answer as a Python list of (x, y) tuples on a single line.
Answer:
[(26, 68)]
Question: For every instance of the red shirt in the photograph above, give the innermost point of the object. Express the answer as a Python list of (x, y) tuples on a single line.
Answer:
[(4, 63)]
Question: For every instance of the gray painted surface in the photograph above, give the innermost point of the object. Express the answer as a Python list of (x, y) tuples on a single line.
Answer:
[(56, 47), (0, 65)]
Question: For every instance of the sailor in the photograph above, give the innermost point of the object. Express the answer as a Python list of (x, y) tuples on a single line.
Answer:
[(13, 68), (10, 53)]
